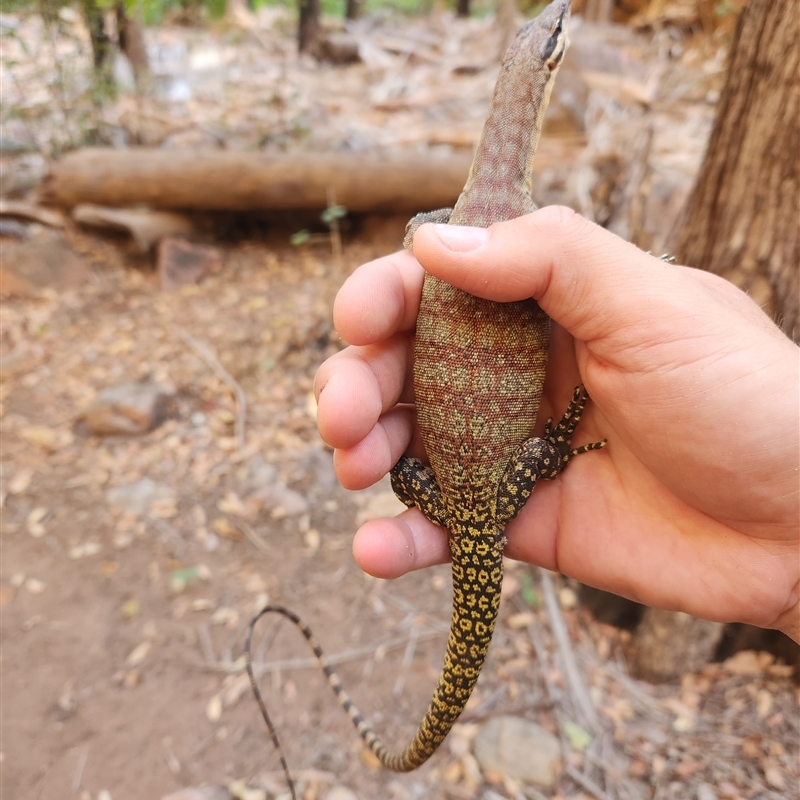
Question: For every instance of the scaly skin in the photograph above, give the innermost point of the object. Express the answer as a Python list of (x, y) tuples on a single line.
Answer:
[(479, 369)]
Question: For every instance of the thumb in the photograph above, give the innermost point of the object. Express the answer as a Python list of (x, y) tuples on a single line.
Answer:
[(585, 278)]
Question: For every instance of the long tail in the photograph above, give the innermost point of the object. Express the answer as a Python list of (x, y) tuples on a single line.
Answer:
[(462, 665)]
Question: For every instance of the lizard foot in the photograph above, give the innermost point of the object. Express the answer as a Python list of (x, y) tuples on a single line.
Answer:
[(542, 458), (415, 485)]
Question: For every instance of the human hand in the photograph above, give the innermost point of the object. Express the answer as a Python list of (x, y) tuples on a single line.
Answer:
[(694, 503)]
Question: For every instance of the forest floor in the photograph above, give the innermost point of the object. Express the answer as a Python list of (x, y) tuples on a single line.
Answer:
[(131, 565)]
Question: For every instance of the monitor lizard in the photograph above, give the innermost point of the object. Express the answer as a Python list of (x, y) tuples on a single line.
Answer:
[(479, 369)]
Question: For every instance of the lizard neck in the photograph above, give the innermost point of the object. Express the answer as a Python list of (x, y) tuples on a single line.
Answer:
[(499, 183)]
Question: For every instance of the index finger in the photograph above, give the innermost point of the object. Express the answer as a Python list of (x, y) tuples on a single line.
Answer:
[(379, 299)]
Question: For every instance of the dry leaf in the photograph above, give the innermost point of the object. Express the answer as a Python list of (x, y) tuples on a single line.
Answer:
[(35, 586), (138, 654), (33, 522), (214, 708)]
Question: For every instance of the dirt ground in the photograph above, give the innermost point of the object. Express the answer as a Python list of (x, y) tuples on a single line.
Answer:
[(131, 565)]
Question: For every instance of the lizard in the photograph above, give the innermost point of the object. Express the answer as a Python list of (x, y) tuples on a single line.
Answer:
[(478, 374)]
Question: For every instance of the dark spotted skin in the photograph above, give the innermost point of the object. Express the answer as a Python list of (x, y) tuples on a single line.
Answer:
[(479, 369)]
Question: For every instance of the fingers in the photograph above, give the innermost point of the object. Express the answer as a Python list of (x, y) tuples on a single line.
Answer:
[(389, 548), (379, 299), (374, 455), (354, 387)]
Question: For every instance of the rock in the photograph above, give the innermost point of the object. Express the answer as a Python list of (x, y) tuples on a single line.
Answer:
[(339, 793), (44, 260), (338, 48), (30, 212), (280, 501), (146, 227), (203, 793), (130, 408), (180, 262), (270, 493), (519, 749), (137, 498)]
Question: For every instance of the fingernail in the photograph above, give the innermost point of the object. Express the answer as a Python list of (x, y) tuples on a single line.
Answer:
[(461, 238)]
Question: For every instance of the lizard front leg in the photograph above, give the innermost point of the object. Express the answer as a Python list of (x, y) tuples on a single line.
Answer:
[(541, 458)]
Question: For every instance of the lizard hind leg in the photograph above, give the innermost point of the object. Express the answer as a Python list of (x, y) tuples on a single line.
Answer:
[(541, 459), (415, 485)]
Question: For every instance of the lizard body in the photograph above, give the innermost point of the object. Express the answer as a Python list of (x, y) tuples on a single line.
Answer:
[(479, 369)]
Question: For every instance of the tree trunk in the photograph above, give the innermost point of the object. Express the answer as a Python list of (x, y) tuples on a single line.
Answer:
[(102, 46), (462, 8), (353, 9), (741, 220), (131, 42), (309, 27), (668, 644)]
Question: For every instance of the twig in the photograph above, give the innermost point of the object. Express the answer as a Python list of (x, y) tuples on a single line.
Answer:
[(577, 686), (345, 656), (408, 656), (586, 783), (256, 540), (81, 765), (205, 353), (533, 793), (206, 644)]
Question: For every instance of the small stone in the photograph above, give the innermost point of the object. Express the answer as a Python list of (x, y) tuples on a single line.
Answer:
[(128, 409), (519, 749), (180, 263), (214, 708), (33, 522), (339, 793), (35, 586), (136, 498), (338, 48), (241, 791), (706, 792), (202, 793), (21, 481), (43, 260), (138, 654)]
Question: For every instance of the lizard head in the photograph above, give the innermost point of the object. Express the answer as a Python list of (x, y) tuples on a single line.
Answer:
[(544, 39)]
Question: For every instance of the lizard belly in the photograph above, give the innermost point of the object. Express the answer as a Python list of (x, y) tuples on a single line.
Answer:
[(478, 374)]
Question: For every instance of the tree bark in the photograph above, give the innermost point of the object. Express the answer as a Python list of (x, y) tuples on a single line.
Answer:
[(213, 180), (309, 25), (353, 9), (102, 46), (462, 8), (131, 42), (668, 644), (741, 220)]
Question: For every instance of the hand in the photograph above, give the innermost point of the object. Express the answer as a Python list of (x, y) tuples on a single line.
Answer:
[(694, 503)]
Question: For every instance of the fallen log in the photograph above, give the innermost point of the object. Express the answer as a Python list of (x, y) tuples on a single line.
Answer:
[(244, 181)]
